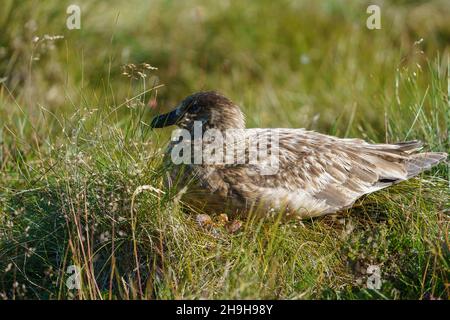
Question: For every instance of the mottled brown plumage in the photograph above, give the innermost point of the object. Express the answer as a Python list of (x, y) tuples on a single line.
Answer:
[(318, 174)]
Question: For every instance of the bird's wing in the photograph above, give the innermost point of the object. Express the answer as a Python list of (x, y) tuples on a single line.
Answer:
[(318, 174)]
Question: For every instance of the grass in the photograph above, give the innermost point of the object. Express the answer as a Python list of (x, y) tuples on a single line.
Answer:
[(81, 175)]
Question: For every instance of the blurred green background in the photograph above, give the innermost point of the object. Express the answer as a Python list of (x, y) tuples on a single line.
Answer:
[(287, 63)]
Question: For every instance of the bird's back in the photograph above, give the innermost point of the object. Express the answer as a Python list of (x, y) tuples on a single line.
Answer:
[(301, 172)]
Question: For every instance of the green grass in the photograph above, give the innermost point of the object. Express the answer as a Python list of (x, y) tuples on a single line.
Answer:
[(81, 180)]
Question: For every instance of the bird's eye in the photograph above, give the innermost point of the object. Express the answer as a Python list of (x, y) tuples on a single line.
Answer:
[(194, 107)]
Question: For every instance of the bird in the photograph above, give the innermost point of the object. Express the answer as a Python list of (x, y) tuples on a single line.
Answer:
[(316, 174)]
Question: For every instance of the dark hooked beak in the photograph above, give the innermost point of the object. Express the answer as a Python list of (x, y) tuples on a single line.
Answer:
[(166, 119)]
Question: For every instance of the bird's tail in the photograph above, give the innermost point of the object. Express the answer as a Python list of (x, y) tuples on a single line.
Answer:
[(400, 161), (423, 161)]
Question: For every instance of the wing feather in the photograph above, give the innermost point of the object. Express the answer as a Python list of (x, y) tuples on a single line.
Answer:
[(320, 174)]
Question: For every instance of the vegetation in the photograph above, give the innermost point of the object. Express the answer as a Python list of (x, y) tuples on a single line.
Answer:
[(81, 181)]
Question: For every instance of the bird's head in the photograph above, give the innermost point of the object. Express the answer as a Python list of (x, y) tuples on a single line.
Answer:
[(210, 108)]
